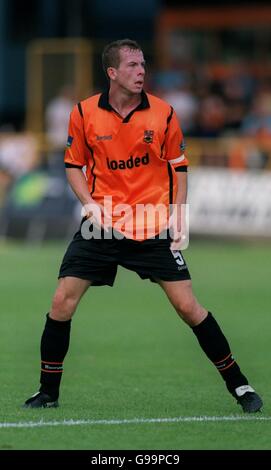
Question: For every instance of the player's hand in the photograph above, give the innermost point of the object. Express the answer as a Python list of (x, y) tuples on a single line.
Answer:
[(178, 227), (96, 214)]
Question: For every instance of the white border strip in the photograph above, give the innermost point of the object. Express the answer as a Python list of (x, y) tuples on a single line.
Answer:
[(177, 160), (93, 422)]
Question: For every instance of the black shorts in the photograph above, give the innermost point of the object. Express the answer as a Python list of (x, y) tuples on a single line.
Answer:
[(97, 260)]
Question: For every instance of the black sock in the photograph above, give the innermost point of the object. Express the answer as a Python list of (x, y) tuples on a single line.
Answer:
[(53, 348), (217, 349)]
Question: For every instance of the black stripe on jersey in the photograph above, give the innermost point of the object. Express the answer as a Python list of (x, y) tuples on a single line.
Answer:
[(92, 169), (80, 108), (166, 130), (181, 168), (71, 165), (90, 149), (170, 175)]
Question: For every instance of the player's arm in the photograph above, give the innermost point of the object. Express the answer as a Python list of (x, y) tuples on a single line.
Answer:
[(175, 154), (76, 157), (182, 187), (178, 215), (91, 209), (78, 183)]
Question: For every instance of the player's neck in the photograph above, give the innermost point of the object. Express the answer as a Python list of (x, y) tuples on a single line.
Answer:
[(122, 102)]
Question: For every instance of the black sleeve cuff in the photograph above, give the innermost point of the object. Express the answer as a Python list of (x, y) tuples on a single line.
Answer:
[(70, 165), (181, 168)]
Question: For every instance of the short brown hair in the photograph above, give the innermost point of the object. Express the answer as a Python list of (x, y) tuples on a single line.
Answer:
[(111, 56)]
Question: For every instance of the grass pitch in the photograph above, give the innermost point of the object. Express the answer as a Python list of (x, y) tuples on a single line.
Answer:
[(131, 358)]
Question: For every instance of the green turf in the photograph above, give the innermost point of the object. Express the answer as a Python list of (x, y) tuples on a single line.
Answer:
[(131, 356)]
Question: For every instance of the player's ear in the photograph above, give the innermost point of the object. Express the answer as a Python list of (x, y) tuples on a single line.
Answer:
[(112, 73)]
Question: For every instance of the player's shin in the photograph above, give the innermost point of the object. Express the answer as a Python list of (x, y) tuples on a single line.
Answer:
[(217, 349), (53, 348)]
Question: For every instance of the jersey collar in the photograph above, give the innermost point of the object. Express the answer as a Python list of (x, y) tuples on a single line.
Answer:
[(104, 104)]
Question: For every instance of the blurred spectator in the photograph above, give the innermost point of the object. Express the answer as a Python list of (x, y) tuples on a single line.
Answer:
[(258, 124), (57, 117), (18, 156), (237, 88), (258, 121), (212, 116), (185, 104)]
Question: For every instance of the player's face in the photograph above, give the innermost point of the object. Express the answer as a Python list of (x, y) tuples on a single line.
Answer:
[(131, 71)]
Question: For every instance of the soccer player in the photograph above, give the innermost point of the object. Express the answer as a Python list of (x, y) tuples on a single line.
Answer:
[(127, 145)]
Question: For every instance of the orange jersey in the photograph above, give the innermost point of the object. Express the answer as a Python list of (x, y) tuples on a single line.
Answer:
[(131, 159)]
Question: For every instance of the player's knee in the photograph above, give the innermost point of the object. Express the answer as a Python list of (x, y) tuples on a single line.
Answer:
[(190, 311), (63, 305), (185, 307)]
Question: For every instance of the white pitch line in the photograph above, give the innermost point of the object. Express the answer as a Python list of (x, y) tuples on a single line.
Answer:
[(95, 422)]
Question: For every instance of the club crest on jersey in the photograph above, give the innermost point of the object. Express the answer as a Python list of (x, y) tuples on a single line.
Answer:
[(148, 137)]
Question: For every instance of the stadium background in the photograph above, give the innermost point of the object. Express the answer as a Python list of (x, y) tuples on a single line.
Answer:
[(130, 357)]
